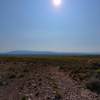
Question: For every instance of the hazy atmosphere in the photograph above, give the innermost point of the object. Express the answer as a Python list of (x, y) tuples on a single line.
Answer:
[(49, 49), (41, 25)]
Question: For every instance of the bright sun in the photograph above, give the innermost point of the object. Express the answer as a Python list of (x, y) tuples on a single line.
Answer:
[(56, 2)]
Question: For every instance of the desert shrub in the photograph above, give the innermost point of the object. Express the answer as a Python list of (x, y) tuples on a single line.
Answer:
[(24, 98), (3, 83), (11, 75), (98, 70), (94, 86), (57, 97), (61, 67), (20, 75)]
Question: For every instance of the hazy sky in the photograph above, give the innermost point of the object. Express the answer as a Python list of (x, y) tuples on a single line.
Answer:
[(38, 25)]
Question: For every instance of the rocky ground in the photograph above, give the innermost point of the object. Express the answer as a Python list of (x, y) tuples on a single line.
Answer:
[(39, 81)]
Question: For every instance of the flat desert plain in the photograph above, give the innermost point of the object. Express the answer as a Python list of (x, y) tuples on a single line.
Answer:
[(50, 78)]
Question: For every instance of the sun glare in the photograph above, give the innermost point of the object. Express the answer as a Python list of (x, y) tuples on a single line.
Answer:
[(56, 3)]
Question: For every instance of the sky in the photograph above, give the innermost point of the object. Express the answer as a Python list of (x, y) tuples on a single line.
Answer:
[(38, 25)]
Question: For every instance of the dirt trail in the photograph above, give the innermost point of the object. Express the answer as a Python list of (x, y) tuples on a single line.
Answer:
[(45, 83)]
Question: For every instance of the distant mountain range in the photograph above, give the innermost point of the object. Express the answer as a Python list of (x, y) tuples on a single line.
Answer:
[(26, 52)]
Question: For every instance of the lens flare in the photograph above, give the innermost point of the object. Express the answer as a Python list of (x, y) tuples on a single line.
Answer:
[(56, 3)]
